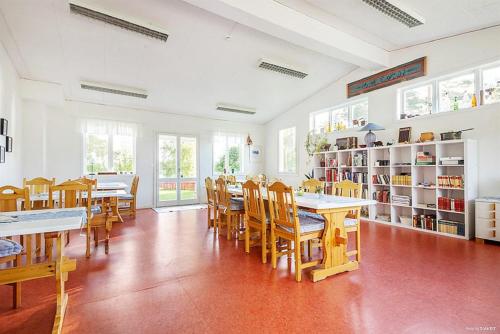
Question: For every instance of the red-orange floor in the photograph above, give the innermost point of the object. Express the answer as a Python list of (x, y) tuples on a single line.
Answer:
[(166, 273)]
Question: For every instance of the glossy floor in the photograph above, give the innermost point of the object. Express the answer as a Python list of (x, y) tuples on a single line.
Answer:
[(166, 273)]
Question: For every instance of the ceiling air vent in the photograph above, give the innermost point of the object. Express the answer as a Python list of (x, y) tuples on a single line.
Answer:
[(281, 68), (110, 89), (395, 10), (125, 23), (240, 110)]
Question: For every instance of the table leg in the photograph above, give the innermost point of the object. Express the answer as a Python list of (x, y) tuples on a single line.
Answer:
[(334, 244), (61, 295), (114, 208)]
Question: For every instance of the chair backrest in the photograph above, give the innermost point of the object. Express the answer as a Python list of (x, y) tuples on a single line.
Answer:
[(223, 197), (11, 196), (311, 185), (282, 207), (262, 178), (253, 202), (231, 179), (71, 195), (209, 184), (135, 185), (348, 188), (87, 181), (38, 185)]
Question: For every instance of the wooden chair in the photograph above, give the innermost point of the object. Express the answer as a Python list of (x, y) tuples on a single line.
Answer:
[(228, 207), (16, 199), (211, 204), (348, 188), (37, 186), (231, 179), (311, 185), (130, 200), (285, 224), (255, 216), (71, 195)]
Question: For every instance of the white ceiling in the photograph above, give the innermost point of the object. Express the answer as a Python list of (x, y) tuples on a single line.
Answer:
[(198, 67), (443, 18), (189, 74)]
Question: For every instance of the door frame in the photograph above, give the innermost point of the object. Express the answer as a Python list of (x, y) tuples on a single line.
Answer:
[(156, 192)]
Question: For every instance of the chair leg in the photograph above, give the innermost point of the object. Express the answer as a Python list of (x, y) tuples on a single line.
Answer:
[(67, 238), (133, 207), (89, 230), (228, 223), (38, 244), (273, 249), (309, 248), (16, 295), (263, 243), (108, 232), (48, 248), (96, 236), (298, 261), (358, 243), (247, 238), (209, 214)]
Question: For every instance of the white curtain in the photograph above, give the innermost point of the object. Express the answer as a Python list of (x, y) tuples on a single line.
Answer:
[(107, 127)]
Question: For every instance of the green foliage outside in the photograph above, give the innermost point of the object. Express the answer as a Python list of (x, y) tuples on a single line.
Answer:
[(234, 161), (168, 160)]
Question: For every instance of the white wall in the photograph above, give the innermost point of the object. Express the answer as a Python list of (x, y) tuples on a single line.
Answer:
[(10, 108), (444, 56), (54, 147)]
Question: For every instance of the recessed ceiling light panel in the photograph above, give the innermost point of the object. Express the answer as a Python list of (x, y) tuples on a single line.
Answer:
[(112, 89), (113, 19), (397, 11), (281, 68), (235, 109)]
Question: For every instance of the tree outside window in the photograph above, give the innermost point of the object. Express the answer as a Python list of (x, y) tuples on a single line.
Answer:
[(227, 154)]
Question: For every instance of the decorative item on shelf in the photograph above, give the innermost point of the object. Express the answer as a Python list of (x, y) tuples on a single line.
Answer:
[(249, 143), (453, 135), (335, 147), (4, 124), (426, 136), (378, 144), (370, 137), (404, 135), (474, 101), (314, 143), (347, 143)]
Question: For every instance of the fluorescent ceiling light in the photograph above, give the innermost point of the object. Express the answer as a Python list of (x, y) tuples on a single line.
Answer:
[(235, 109), (396, 10), (112, 89), (281, 68)]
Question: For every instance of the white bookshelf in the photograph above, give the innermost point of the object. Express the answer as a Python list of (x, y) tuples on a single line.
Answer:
[(400, 159)]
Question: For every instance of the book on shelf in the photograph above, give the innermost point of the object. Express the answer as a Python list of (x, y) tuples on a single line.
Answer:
[(332, 175), (360, 177), (346, 175), (360, 159), (401, 200), (382, 196), (450, 161), (451, 204), (451, 181), (426, 222), (404, 179), (425, 158), (451, 227), (381, 179)]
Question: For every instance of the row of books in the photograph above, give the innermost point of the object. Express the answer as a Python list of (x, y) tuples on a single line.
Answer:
[(401, 180), (451, 204), (425, 158), (401, 200), (451, 161), (346, 175), (451, 181), (332, 175), (382, 196), (360, 177), (451, 227), (381, 179), (360, 159), (426, 222)]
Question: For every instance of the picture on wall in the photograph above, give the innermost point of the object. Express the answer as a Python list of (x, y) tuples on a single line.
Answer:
[(404, 135), (3, 126), (255, 153), (2, 154), (8, 143)]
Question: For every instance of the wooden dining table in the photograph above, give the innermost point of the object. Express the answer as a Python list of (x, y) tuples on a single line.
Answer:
[(29, 223), (111, 186), (334, 241), (110, 196)]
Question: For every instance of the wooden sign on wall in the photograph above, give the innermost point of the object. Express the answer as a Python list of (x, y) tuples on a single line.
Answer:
[(411, 70)]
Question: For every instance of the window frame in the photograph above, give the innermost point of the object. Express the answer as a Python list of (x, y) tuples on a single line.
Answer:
[(346, 105), (477, 71), (296, 148), (226, 161), (110, 152)]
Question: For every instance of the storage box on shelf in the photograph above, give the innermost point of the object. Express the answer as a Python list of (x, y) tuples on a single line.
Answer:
[(487, 219), (414, 184)]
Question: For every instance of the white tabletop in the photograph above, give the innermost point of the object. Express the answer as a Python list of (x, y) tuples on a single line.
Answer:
[(317, 202), (40, 225), (95, 194), (111, 185)]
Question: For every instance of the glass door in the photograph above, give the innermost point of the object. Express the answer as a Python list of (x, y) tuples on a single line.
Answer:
[(177, 177)]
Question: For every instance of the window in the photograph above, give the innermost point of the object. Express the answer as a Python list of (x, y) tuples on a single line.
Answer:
[(287, 151), (228, 154), (462, 90), (456, 93), (108, 147), (491, 85), (417, 101), (351, 115)]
